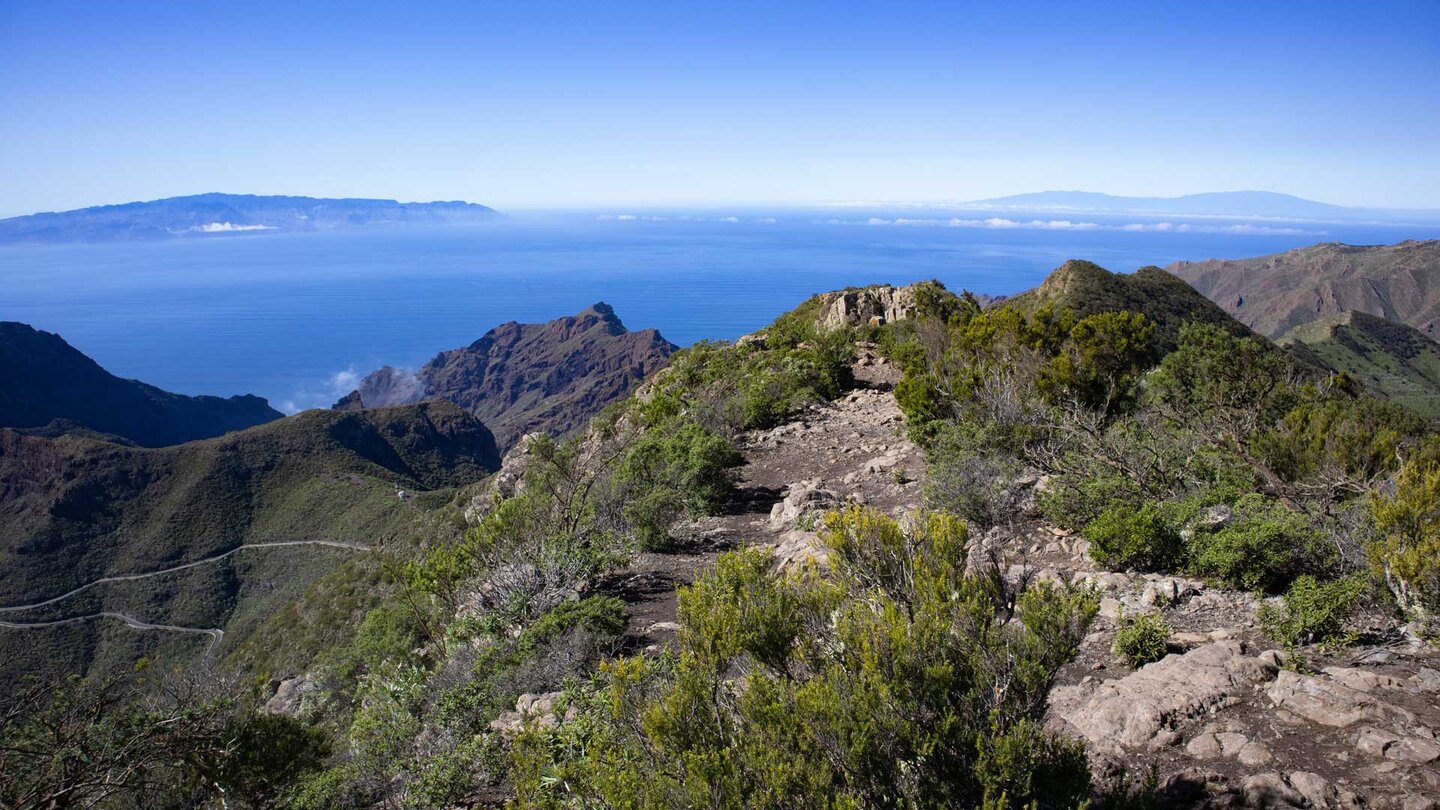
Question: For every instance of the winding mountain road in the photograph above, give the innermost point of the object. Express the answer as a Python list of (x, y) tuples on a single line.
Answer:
[(173, 569), (215, 633)]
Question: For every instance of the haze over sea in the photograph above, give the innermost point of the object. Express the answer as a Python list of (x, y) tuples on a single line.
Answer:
[(296, 318)]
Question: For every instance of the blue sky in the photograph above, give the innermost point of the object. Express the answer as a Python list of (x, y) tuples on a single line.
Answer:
[(569, 104)]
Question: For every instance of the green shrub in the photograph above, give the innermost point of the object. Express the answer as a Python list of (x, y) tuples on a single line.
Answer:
[(1141, 639), (1266, 547), (672, 471), (1407, 557), (1313, 612), (1100, 362), (1140, 538), (897, 681)]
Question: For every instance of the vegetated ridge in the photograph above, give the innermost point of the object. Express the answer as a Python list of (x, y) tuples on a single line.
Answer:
[(1392, 359), (76, 510), (1032, 552)]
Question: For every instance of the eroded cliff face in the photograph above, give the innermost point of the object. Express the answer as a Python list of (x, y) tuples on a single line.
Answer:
[(1274, 294), (522, 378)]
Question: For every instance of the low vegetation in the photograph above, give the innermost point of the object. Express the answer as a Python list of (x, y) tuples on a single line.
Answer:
[(899, 681), (492, 666)]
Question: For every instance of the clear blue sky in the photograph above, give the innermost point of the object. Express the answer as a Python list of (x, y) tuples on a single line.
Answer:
[(537, 104)]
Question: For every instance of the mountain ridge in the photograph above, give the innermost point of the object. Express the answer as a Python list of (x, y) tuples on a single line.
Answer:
[(1273, 294), (520, 378), (53, 387), (1237, 203)]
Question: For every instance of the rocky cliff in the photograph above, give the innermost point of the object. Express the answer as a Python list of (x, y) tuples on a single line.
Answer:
[(521, 378)]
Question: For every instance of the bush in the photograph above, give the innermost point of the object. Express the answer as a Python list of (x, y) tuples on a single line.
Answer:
[(1313, 612), (899, 680), (1408, 555), (1135, 538), (672, 471), (1266, 547), (1141, 639)]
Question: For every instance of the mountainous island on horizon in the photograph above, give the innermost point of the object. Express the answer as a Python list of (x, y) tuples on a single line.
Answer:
[(217, 214), (1207, 204)]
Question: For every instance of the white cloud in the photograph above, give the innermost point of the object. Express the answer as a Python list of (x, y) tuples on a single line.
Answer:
[(229, 227), (343, 382)]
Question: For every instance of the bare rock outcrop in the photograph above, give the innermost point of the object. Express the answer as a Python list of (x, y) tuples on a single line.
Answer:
[(869, 305), (1143, 709)]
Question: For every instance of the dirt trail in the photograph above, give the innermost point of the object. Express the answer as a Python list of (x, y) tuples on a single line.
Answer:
[(850, 450)]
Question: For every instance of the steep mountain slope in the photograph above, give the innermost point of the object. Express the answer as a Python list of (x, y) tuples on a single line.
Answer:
[(220, 214), (1088, 288), (518, 378), (1392, 359), (1274, 294), (44, 379), (74, 510)]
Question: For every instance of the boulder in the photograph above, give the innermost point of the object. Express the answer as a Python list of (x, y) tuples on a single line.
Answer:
[(532, 709), (803, 500)]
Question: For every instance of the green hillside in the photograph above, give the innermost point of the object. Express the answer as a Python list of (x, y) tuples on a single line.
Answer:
[(1392, 359), (1087, 288), (76, 510)]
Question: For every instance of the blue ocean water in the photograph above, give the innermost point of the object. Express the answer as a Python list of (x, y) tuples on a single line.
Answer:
[(295, 318)]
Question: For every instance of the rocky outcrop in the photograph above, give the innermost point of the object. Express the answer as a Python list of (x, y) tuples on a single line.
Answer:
[(521, 378), (48, 385), (870, 305), (1143, 709)]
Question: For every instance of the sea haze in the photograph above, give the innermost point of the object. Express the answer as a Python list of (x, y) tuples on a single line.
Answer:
[(295, 317)]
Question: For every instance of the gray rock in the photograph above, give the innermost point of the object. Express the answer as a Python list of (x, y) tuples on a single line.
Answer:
[(1131, 712), (1316, 789), (1254, 754), (1322, 699), (1414, 749), (1269, 789), (804, 498), (1372, 741)]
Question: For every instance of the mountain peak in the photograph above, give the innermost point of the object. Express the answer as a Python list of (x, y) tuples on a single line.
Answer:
[(519, 378)]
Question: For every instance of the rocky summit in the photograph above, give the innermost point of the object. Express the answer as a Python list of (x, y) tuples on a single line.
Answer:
[(521, 378)]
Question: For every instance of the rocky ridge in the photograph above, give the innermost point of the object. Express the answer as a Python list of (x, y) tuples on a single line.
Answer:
[(522, 378), (1274, 294)]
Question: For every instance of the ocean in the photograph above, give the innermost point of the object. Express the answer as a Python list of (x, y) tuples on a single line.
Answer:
[(295, 318)]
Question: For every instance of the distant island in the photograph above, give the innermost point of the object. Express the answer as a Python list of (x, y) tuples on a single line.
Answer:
[(215, 215), (1220, 203)]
